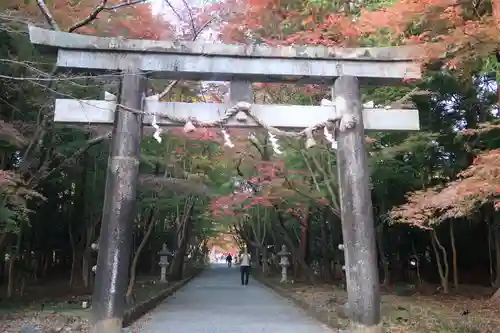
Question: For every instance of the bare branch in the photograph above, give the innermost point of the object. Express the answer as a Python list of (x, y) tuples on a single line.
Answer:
[(47, 14), (92, 16), (125, 4), (200, 30), (191, 19), (43, 173), (167, 89), (174, 10), (404, 102), (102, 7), (196, 34)]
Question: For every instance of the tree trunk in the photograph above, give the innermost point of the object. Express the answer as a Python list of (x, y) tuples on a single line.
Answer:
[(36, 265), (176, 269), (153, 263), (257, 259), (265, 258), (12, 262), (3, 240), (496, 236), (291, 247), (417, 262), (2, 268), (326, 270), (77, 254), (133, 267), (454, 256), (47, 263), (42, 263), (78, 224), (72, 272), (86, 268), (381, 254), (87, 253), (443, 273), (302, 252), (10, 277), (490, 253)]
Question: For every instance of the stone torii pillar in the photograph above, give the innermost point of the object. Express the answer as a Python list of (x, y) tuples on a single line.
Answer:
[(345, 69), (115, 237)]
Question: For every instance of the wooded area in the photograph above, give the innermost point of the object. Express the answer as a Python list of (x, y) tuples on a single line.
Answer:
[(434, 192)]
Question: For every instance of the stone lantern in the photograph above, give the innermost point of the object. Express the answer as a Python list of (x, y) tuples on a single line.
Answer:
[(164, 254), (284, 263)]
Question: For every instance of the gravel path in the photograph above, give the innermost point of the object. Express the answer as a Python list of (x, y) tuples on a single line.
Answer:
[(216, 302)]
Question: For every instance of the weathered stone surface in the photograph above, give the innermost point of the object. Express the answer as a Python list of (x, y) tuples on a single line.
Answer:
[(199, 67), (29, 330), (204, 61), (287, 117), (47, 37)]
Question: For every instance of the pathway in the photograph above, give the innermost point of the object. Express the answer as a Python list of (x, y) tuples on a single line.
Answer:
[(216, 302)]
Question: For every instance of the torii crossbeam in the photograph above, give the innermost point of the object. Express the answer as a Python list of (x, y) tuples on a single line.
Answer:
[(202, 61), (280, 116)]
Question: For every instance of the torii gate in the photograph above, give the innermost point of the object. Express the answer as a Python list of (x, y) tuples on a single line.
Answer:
[(240, 64)]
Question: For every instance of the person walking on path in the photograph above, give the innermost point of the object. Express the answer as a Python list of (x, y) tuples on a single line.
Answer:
[(245, 259), (229, 259)]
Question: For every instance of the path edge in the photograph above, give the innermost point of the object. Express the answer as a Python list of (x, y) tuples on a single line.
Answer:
[(138, 311), (325, 317)]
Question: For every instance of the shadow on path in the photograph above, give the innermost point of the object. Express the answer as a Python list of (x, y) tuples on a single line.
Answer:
[(216, 302)]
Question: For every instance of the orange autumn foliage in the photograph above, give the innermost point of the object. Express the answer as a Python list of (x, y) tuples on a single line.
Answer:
[(459, 31), (462, 34), (134, 21), (478, 184)]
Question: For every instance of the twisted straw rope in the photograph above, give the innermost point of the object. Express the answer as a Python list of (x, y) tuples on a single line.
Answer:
[(245, 107)]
